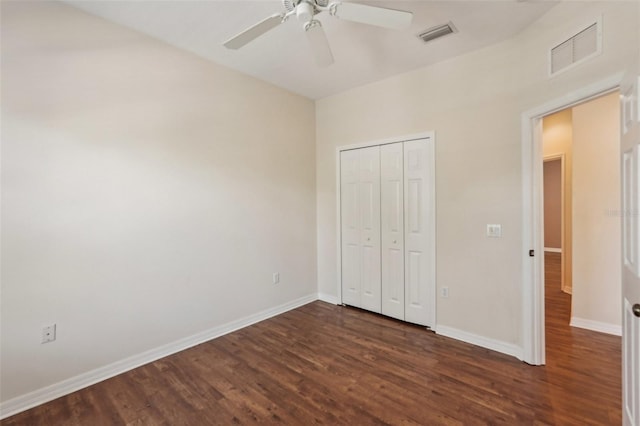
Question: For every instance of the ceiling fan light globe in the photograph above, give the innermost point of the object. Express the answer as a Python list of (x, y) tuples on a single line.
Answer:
[(304, 11)]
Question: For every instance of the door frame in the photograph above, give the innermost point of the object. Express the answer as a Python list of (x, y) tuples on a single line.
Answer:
[(411, 137), (563, 194), (533, 313)]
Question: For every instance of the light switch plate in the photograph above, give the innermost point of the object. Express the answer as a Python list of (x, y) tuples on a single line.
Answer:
[(494, 230)]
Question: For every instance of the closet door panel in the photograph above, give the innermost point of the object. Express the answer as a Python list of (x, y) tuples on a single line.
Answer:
[(419, 213), (369, 192), (415, 265), (350, 228), (388, 230), (392, 230)]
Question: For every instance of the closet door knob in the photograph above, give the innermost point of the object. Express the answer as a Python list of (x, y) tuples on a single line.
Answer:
[(636, 309), (395, 242)]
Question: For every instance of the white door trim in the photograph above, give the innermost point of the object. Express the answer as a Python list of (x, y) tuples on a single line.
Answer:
[(423, 135), (533, 340)]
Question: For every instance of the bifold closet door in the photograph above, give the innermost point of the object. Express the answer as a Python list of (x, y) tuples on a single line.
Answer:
[(392, 229), (419, 223), (360, 225)]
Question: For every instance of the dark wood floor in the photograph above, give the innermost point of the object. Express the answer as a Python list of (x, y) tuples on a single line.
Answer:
[(334, 365)]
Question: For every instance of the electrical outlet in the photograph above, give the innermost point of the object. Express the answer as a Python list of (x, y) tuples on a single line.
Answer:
[(276, 277), (444, 291), (48, 333)]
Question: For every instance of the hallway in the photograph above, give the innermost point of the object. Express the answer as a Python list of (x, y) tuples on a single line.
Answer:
[(591, 357)]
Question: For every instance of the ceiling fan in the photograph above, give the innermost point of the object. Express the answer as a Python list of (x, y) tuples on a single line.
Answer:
[(306, 10)]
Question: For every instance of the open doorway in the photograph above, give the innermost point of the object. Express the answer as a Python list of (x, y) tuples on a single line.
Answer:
[(533, 295), (557, 144), (557, 141), (581, 195), (556, 192)]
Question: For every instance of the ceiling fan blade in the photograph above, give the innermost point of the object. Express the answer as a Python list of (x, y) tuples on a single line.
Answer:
[(372, 15), (319, 43), (254, 32)]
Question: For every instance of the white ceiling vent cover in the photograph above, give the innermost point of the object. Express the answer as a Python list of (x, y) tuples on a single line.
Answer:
[(577, 49)]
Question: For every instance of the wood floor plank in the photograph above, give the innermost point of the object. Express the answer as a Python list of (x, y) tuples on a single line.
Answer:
[(325, 364)]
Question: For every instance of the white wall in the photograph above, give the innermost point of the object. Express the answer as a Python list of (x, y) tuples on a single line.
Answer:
[(473, 103), (553, 204), (147, 195), (596, 301)]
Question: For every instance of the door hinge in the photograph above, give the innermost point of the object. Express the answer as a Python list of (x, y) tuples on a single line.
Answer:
[(532, 253)]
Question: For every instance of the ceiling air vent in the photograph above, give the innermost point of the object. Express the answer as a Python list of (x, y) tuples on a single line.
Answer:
[(577, 49), (437, 32)]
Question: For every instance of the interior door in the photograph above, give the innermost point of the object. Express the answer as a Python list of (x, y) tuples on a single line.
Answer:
[(360, 227), (350, 227), (419, 221), (630, 151), (392, 229), (369, 192)]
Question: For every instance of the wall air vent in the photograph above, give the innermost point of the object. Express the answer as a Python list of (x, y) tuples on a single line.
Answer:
[(584, 45), (437, 32)]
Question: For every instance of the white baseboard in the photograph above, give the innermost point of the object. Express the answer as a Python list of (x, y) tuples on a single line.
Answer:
[(553, 250), (601, 327), (485, 342), (328, 298), (65, 387)]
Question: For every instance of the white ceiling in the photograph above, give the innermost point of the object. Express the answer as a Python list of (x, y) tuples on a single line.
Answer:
[(363, 53)]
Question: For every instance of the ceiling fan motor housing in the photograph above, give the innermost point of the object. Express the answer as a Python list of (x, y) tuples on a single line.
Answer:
[(305, 11), (290, 5)]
